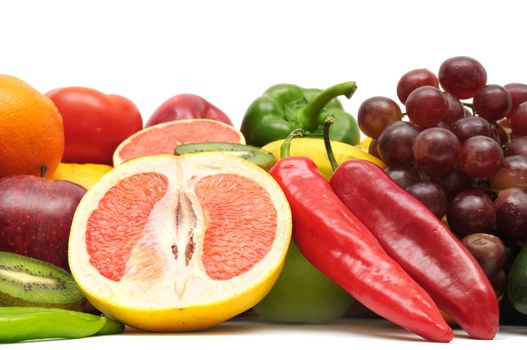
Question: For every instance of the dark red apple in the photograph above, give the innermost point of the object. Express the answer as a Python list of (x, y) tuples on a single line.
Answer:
[(35, 216)]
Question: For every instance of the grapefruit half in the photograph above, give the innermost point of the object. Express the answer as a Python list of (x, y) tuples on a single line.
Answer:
[(163, 138), (169, 243)]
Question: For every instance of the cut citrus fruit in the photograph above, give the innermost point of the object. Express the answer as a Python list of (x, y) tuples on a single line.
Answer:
[(180, 242), (163, 138)]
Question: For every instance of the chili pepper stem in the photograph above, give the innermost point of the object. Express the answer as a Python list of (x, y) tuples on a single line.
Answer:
[(327, 143), (285, 148), (311, 112)]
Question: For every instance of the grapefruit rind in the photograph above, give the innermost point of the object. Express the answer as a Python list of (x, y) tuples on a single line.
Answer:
[(162, 304), (211, 131)]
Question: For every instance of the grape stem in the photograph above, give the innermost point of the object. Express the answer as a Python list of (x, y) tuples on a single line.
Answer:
[(484, 186), (498, 125), (470, 105)]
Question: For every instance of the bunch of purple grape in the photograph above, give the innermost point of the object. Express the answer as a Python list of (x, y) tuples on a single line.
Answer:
[(465, 160)]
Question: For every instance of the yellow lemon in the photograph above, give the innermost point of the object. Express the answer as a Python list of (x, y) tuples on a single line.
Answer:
[(365, 144), (314, 149), (85, 175)]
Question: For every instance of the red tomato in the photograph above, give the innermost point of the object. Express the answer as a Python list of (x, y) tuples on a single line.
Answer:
[(94, 123)]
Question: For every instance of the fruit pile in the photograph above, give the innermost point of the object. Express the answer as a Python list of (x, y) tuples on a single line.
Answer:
[(188, 222), (462, 152)]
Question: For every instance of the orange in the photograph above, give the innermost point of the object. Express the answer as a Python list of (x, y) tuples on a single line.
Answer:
[(163, 138), (171, 243), (31, 130)]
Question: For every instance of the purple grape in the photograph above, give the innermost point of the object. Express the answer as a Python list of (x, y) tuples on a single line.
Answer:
[(517, 146), (480, 157), (372, 148), (488, 250), (519, 120), (513, 173), (395, 143), (456, 110), (376, 113), (435, 150), (467, 127), (426, 106), (462, 76), (452, 182), (431, 195), (492, 102), (511, 213), (414, 79), (518, 93), (403, 175), (471, 211)]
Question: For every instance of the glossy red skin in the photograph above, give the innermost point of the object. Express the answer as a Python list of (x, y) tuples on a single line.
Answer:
[(414, 79), (94, 123), (518, 93), (36, 215), (340, 246), (187, 106), (519, 120), (421, 244)]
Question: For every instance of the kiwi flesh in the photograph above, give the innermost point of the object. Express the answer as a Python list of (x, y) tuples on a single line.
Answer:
[(26, 281), (258, 156)]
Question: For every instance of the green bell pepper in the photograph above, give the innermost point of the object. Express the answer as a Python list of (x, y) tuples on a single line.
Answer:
[(286, 107)]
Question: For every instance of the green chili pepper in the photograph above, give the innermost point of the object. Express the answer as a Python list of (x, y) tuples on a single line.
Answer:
[(28, 323), (286, 107)]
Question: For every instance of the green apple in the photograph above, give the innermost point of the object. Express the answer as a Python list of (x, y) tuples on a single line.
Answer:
[(302, 294)]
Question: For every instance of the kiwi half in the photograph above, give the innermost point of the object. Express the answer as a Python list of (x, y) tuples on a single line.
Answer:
[(258, 156), (26, 281)]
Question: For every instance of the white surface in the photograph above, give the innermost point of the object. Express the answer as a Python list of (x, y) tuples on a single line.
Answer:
[(253, 335), (230, 52)]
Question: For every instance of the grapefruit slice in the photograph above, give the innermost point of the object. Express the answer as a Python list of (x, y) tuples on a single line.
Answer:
[(163, 138), (170, 243)]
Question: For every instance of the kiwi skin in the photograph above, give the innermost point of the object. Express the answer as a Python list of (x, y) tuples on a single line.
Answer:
[(258, 156), (55, 287)]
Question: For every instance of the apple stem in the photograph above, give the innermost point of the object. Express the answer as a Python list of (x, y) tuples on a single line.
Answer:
[(43, 170)]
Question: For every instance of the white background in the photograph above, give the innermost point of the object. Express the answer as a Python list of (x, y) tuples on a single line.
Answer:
[(231, 51)]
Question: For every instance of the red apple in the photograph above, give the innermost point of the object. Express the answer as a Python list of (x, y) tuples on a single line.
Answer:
[(35, 216)]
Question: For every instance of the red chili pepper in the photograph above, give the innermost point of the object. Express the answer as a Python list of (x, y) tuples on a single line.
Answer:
[(187, 106), (340, 246), (413, 236)]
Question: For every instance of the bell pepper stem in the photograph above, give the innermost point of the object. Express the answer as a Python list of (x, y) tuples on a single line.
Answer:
[(310, 114), (285, 148), (327, 143)]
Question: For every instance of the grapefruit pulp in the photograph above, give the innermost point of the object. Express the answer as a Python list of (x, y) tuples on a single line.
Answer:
[(163, 138), (170, 243)]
